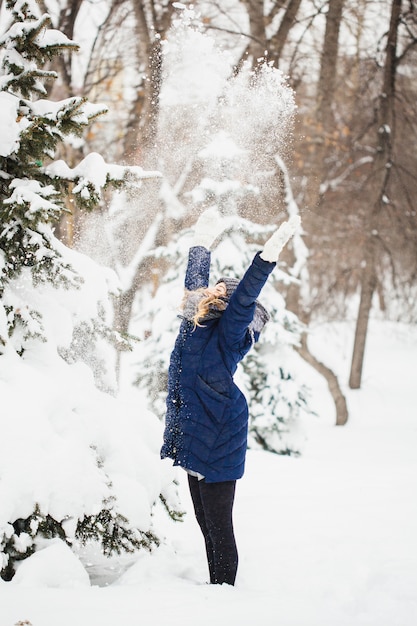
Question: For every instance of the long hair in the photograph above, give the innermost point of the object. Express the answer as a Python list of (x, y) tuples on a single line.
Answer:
[(201, 305)]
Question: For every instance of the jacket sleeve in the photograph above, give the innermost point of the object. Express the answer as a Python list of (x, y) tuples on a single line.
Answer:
[(198, 268), (241, 308)]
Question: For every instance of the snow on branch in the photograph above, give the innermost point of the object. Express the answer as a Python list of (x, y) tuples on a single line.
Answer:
[(93, 174), (53, 41), (27, 44), (78, 109), (37, 34), (334, 183), (299, 247), (35, 197)]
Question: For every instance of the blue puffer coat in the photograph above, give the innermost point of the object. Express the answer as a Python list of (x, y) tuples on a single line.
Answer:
[(207, 414)]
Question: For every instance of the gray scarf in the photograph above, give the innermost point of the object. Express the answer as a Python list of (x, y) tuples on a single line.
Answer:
[(261, 315), (191, 306)]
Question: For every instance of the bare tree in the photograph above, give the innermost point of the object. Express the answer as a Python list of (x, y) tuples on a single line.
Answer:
[(152, 22), (335, 164), (263, 45), (324, 124), (380, 177)]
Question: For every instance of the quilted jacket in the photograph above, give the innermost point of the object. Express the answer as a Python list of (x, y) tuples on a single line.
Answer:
[(207, 414)]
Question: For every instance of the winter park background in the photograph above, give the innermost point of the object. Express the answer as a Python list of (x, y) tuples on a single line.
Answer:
[(94, 528)]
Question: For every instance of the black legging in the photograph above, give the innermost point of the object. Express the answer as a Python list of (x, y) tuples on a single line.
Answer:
[(213, 504)]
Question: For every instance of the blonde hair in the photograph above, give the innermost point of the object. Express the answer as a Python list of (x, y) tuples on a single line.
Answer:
[(203, 305)]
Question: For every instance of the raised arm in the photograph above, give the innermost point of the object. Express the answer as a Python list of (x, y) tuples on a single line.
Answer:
[(198, 268), (241, 308), (208, 227)]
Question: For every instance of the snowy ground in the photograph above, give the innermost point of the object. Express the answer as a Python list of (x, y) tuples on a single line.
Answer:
[(328, 539)]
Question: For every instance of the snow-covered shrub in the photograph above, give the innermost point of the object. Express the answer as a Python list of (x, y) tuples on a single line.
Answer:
[(75, 463)]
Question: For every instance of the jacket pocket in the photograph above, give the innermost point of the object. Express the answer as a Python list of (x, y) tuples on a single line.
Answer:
[(214, 402)]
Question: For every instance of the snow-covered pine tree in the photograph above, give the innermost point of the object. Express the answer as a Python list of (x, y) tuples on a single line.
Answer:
[(34, 187), (277, 400), (65, 470)]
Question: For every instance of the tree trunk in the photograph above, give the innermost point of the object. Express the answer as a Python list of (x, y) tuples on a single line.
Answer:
[(381, 175), (368, 285), (151, 28), (325, 97), (294, 304), (287, 22), (257, 45), (325, 124), (331, 379), (328, 66)]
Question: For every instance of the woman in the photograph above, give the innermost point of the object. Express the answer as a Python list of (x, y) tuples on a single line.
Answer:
[(207, 414)]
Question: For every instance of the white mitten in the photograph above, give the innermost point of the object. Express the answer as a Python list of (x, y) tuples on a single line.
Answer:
[(277, 241), (208, 227)]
